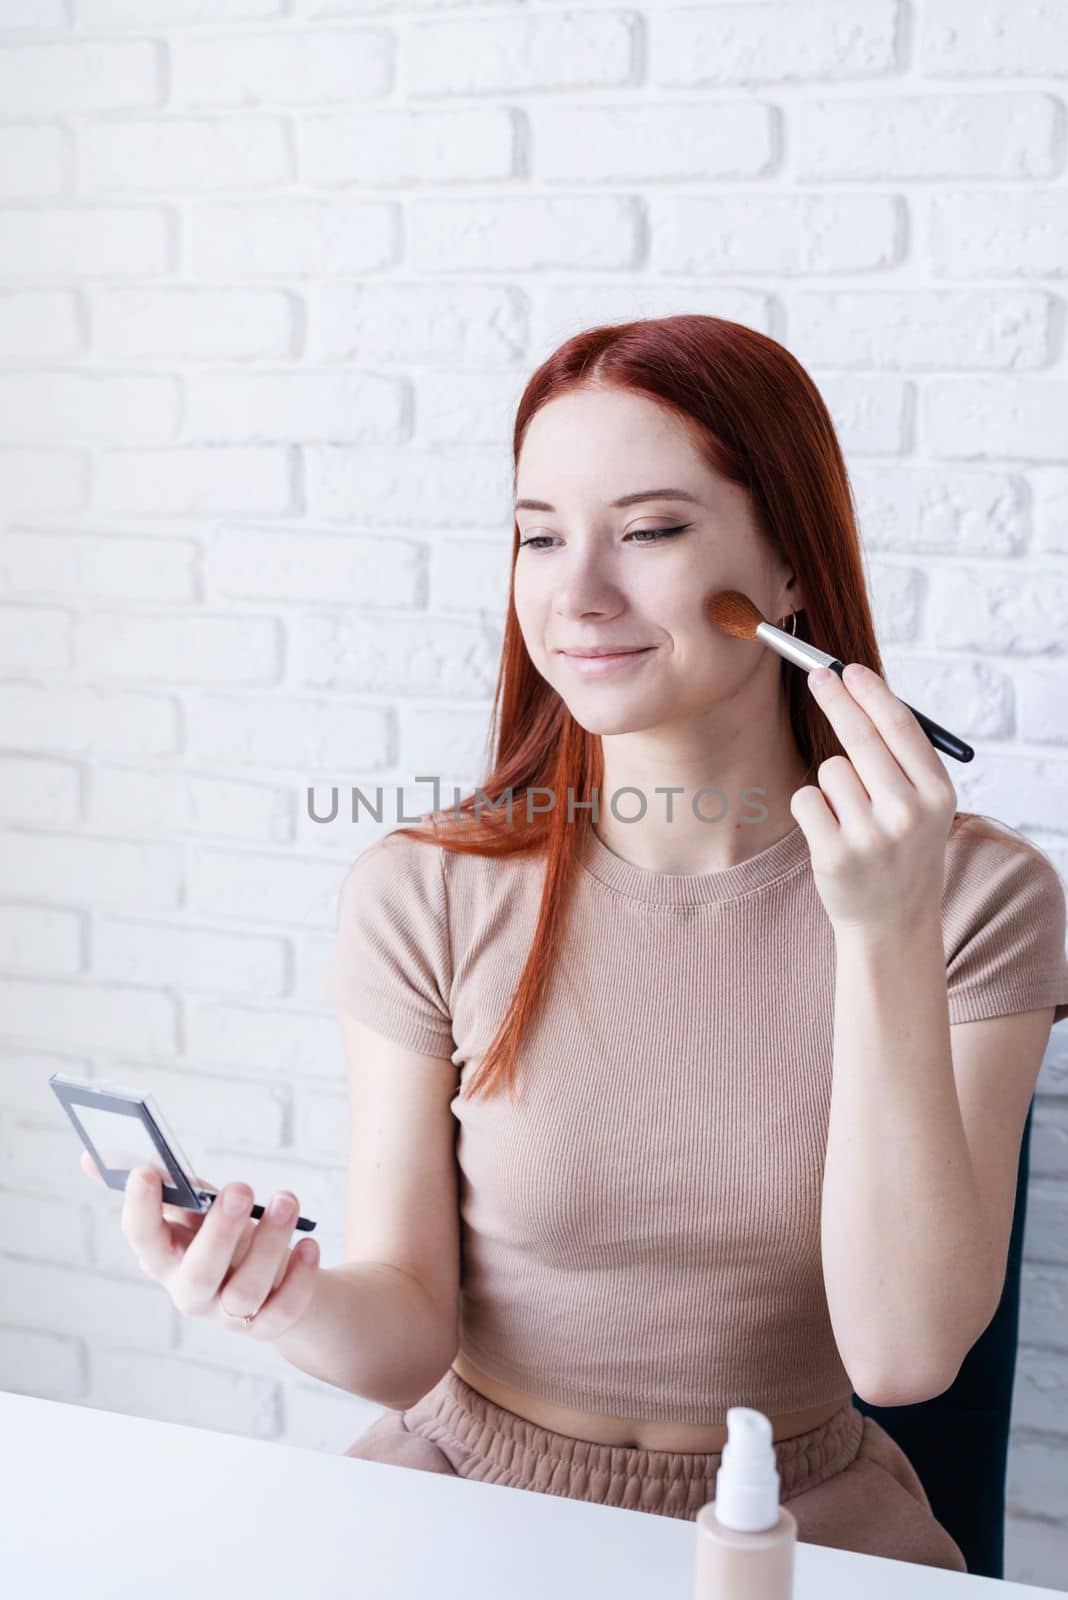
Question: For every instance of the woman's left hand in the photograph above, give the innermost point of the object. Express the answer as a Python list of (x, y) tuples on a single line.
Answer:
[(878, 848)]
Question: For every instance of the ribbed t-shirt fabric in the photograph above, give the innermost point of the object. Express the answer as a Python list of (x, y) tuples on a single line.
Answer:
[(640, 1225)]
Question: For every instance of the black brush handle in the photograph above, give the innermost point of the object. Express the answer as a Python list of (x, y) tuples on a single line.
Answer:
[(940, 737)]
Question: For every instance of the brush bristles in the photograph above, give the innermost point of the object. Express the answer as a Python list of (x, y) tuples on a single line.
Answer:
[(735, 613)]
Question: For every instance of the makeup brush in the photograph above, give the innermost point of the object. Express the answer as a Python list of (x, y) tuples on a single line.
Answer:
[(736, 614)]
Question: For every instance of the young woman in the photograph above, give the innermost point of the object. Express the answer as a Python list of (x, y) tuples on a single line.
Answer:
[(775, 1006)]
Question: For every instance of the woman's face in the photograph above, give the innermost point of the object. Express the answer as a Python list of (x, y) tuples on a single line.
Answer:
[(592, 573)]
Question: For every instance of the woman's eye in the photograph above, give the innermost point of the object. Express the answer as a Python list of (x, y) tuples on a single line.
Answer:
[(641, 535)]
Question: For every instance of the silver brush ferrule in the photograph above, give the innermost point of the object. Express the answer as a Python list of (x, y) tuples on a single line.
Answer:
[(796, 650)]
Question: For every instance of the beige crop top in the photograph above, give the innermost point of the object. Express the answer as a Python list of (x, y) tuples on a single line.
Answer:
[(640, 1226)]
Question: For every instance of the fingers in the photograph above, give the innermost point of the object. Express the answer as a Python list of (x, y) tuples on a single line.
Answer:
[(209, 1257), (142, 1221), (254, 1277), (288, 1298)]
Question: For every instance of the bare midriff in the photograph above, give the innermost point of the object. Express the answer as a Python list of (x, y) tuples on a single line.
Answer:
[(598, 1429)]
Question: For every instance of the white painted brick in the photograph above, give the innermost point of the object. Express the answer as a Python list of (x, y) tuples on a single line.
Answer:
[(1025, 791), (923, 331), (37, 941), (284, 406), (33, 642), (43, 1365), (176, 649), (325, 1417), (226, 1112), (1047, 1222), (871, 415), (321, 1122), (391, 146), (44, 793), (1036, 1552), (290, 237), (1049, 487), (565, 308), (788, 234), (1008, 134), (919, 507), (248, 1041), (191, 957), (83, 242), (1035, 1479), (524, 233), (1008, 418), (40, 1160), (36, 15), (773, 43), (185, 153), (25, 1091), (1041, 702), (191, 1393), (442, 740), (92, 1016), (488, 54), (253, 481), (897, 602), (998, 233), (1000, 38), (386, 656), (97, 566), (193, 324), (56, 1299), (439, 323), (402, 486), (287, 68), (38, 325), (1049, 1144), (301, 735), (42, 481), (1044, 1305), (36, 79), (79, 407), (632, 143), (316, 567), (470, 575), (465, 408), (178, 804), (97, 873), (974, 698), (44, 1229), (93, 722), (143, 13), (34, 161), (263, 891)]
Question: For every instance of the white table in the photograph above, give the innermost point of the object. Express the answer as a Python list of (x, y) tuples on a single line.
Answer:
[(96, 1505)]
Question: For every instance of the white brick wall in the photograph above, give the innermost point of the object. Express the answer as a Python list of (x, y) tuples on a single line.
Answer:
[(272, 275)]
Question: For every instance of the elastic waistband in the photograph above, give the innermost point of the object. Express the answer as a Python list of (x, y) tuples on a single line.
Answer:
[(501, 1439)]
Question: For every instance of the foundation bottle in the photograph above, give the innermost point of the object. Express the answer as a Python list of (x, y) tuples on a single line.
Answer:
[(745, 1538)]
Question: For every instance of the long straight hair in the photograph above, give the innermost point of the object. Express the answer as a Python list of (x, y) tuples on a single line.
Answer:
[(760, 421)]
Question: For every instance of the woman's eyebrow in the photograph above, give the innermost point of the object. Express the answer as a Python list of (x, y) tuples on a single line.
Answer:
[(625, 500)]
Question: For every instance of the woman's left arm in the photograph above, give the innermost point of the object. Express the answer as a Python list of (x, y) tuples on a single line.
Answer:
[(925, 1121)]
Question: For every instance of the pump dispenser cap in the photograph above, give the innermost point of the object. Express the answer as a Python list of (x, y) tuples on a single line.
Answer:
[(747, 1483)]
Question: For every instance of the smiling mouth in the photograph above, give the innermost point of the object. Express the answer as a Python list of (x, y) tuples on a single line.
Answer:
[(594, 666)]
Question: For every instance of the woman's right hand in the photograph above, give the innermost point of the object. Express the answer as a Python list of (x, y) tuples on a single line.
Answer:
[(204, 1258)]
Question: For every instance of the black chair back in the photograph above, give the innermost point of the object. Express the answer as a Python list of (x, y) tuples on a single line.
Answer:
[(959, 1441)]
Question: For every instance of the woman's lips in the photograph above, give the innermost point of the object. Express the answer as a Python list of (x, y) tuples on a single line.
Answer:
[(596, 666)]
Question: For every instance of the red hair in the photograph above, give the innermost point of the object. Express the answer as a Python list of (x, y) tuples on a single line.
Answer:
[(758, 419)]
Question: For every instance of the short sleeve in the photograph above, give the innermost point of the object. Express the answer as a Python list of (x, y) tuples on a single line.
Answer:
[(1003, 922), (391, 963)]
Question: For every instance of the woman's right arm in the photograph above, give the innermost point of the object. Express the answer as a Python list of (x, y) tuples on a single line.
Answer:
[(370, 1329), (385, 1323)]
